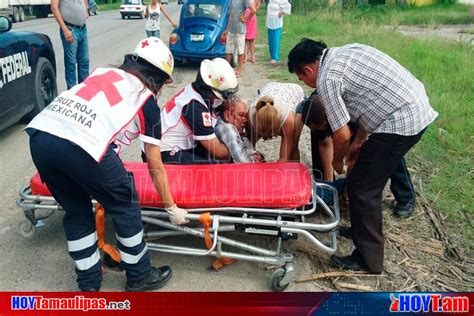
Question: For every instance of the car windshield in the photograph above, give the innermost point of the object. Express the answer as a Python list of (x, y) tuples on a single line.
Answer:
[(134, 2), (203, 10)]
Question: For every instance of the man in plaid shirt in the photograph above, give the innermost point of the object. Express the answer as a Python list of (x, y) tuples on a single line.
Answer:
[(361, 84)]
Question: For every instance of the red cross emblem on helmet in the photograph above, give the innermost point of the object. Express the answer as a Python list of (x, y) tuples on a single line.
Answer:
[(145, 43)]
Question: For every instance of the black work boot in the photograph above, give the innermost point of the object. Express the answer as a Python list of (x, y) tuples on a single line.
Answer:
[(92, 289), (404, 210), (155, 280), (111, 263)]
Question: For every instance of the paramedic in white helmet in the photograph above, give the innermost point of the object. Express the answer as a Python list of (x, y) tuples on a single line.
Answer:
[(188, 119), (75, 142)]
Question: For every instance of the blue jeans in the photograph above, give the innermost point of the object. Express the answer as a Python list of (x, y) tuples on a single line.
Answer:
[(153, 33), (326, 194), (274, 37), (76, 54)]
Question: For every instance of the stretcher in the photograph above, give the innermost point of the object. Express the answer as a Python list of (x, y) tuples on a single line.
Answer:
[(268, 199)]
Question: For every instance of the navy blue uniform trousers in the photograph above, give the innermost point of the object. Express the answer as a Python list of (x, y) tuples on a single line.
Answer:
[(73, 177)]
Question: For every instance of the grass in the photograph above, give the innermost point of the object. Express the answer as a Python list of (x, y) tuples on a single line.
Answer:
[(109, 6), (468, 30), (444, 158), (392, 14)]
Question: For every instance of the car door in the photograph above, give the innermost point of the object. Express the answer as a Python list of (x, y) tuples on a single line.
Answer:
[(15, 71)]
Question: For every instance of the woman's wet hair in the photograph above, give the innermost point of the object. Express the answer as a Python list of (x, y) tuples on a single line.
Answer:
[(306, 52), (152, 77), (267, 118)]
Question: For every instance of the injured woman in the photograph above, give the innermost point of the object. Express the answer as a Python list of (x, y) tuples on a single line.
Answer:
[(230, 130)]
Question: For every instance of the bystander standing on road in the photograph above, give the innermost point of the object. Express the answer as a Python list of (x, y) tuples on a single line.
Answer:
[(251, 33), (152, 15), (274, 23), (71, 16), (236, 29)]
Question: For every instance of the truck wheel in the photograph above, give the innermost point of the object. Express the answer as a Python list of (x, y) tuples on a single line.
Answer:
[(21, 14), (45, 88), (16, 14)]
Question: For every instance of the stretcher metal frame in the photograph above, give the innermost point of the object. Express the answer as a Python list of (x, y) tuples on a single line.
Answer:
[(282, 223)]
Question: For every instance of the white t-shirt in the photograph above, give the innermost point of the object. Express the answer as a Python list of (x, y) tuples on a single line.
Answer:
[(286, 97), (153, 21), (274, 7)]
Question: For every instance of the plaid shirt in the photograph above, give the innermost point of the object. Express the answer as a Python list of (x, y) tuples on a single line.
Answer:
[(362, 84), (239, 149)]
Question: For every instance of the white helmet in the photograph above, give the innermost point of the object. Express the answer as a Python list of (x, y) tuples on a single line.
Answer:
[(154, 51), (218, 75)]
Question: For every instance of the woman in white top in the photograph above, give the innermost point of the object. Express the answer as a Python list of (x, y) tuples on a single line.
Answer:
[(274, 23), (152, 15), (273, 113)]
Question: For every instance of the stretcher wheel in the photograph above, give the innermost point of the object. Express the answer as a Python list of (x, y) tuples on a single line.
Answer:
[(27, 229), (276, 278)]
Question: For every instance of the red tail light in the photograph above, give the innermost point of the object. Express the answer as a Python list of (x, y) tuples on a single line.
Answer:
[(173, 38), (223, 38)]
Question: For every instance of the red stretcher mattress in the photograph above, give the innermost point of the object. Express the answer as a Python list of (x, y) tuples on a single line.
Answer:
[(262, 185)]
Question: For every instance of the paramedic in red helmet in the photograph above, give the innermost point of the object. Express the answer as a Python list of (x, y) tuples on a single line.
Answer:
[(188, 119), (75, 144)]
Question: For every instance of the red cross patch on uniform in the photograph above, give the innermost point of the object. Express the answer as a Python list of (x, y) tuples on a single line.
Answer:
[(206, 120)]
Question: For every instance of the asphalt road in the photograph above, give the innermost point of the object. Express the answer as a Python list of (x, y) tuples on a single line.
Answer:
[(42, 263)]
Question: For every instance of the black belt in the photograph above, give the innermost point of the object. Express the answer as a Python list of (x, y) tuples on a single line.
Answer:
[(74, 25)]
